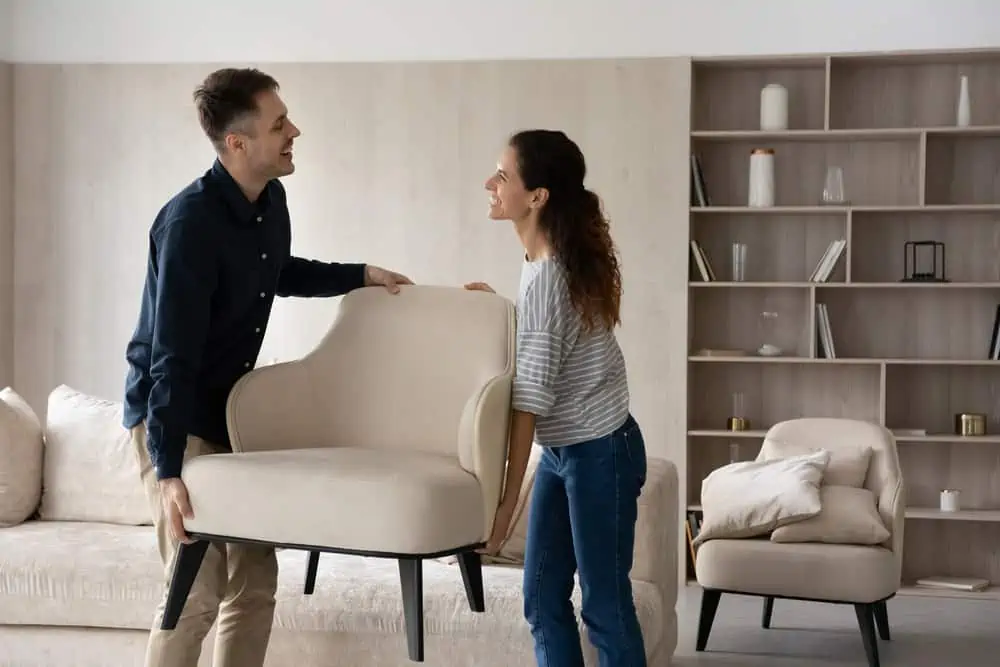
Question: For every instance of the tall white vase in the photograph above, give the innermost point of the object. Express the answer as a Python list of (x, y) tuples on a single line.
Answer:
[(964, 112), (761, 186)]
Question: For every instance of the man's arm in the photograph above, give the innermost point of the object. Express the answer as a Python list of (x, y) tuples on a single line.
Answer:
[(312, 278), (187, 275)]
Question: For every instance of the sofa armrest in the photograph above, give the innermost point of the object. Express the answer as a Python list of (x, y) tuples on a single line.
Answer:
[(657, 532), (483, 441)]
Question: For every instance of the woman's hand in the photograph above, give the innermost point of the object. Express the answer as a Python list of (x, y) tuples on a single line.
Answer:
[(481, 287), (501, 524)]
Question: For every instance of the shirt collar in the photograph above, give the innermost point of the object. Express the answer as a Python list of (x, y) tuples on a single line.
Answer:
[(246, 212)]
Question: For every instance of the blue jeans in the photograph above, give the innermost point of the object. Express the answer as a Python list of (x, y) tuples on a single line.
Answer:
[(582, 518)]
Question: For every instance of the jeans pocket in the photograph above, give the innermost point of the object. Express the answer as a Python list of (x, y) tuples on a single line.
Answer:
[(635, 451)]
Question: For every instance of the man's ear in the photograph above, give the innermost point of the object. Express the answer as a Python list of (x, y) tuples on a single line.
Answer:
[(234, 142)]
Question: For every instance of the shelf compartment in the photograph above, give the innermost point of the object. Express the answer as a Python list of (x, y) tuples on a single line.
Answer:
[(912, 325), (962, 169), (891, 92), (779, 249), (928, 397), (954, 549), (876, 172), (777, 392), (726, 94), (730, 319), (972, 244), (707, 454), (973, 469)]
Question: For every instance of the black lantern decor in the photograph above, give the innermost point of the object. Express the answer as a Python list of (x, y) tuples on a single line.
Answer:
[(923, 261)]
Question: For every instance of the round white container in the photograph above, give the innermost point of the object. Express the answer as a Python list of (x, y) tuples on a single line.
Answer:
[(774, 107), (950, 500), (761, 187)]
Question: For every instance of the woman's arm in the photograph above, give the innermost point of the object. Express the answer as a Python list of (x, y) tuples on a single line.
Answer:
[(522, 434)]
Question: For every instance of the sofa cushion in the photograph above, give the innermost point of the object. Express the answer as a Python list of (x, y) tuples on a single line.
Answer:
[(834, 572), (752, 498), (21, 447), (848, 464), (848, 516), (105, 575), (91, 471)]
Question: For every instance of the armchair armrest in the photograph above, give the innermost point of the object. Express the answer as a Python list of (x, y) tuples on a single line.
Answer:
[(483, 441), (269, 408)]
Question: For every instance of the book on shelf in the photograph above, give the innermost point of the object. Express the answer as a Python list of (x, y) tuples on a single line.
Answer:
[(908, 432), (699, 193), (691, 528), (829, 260), (995, 339), (701, 261), (824, 333), (970, 584)]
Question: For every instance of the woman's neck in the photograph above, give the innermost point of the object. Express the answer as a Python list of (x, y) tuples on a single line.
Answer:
[(536, 245)]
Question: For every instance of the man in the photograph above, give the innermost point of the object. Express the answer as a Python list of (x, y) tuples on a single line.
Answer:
[(219, 252)]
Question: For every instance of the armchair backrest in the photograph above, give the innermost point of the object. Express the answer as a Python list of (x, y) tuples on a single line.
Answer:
[(409, 371), (884, 478)]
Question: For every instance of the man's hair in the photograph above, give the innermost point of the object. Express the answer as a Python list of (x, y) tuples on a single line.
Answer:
[(227, 97)]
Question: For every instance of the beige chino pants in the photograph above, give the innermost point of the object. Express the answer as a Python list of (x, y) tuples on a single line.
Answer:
[(235, 586)]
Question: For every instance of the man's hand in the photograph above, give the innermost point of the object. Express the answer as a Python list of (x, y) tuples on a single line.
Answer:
[(501, 524), (176, 507), (375, 275), (480, 287)]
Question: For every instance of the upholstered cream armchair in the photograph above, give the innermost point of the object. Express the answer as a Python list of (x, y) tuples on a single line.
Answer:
[(388, 439), (832, 557)]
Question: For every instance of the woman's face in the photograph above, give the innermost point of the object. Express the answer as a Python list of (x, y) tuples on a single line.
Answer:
[(508, 198)]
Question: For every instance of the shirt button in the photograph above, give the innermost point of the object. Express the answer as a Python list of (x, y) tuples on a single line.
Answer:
[(263, 255), (262, 295), (246, 364), (257, 330), (260, 219)]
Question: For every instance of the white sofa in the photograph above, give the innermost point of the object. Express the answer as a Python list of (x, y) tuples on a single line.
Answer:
[(80, 576)]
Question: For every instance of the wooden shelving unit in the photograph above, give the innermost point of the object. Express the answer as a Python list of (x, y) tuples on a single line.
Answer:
[(909, 355)]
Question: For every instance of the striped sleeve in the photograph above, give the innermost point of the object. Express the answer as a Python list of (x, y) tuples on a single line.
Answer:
[(542, 338)]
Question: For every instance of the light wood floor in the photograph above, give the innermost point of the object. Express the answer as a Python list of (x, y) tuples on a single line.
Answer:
[(926, 632)]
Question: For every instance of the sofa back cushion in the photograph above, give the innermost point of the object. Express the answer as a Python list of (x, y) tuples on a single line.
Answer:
[(20, 459), (91, 471)]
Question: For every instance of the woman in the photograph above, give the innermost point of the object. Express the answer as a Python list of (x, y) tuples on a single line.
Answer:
[(571, 395)]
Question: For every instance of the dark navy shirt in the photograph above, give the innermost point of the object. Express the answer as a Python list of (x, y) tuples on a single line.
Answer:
[(216, 262)]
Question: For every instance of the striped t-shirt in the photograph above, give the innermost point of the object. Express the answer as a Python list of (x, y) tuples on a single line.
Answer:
[(573, 380)]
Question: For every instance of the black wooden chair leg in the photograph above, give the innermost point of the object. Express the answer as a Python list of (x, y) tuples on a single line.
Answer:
[(765, 616), (411, 580), (471, 564), (866, 621), (187, 561), (709, 605), (882, 620), (311, 567)]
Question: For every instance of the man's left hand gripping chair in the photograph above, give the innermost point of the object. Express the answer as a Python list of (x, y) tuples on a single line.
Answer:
[(388, 439)]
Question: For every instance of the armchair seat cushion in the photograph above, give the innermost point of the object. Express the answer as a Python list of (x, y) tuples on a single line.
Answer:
[(345, 498), (814, 571)]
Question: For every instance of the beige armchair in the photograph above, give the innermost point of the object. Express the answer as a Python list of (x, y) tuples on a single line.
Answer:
[(389, 439), (864, 576)]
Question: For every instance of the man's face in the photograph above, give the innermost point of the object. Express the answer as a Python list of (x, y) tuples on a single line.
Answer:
[(268, 145)]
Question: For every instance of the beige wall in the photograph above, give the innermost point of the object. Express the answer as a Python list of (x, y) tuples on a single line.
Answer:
[(6, 224), (390, 170)]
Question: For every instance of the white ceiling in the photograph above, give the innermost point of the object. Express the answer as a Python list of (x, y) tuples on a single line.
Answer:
[(333, 30)]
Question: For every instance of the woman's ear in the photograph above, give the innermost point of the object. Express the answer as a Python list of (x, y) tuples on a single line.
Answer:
[(538, 197)]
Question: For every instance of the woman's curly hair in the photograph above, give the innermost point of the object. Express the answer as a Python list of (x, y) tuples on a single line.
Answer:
[(573, 220)]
